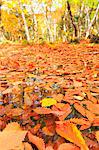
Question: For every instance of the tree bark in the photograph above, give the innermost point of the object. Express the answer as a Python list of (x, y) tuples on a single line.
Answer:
[(25, 23), (71, 17), (2, 37), (92, 21)]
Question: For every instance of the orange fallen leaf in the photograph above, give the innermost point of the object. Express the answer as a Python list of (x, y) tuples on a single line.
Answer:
[(70, 132), (13, 136), (68, 146), (84, 112), (46, 131), (27, 146), (37, 141), (97, 136)]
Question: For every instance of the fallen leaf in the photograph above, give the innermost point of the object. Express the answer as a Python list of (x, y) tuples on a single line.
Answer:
[(80, 98), (68, 146), (13, 136), (37, 141), (97, 135), (77, 83), (70, 132), (48, 102), (27, 146)]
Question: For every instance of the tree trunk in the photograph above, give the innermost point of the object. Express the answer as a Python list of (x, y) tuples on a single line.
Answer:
[(25, 23), (71, 17), (92, 22), (2, 37)]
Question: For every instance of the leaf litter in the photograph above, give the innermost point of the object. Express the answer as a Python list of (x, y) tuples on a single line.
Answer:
[(49, 97)]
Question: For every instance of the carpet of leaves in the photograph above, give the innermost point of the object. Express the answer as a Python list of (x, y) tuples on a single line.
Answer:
[(49, 96)]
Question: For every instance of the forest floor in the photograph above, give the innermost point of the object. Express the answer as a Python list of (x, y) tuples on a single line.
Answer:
[(49, 96)]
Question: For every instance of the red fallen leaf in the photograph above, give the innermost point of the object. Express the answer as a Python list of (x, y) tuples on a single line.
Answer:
[(68, 146), (70, 132), (84, 112), (37, 141)]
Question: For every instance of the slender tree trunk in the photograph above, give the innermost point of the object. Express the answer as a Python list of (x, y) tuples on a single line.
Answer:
[(55, 32), (35, 23), (2, 37), (25, 23), (71, 17), (80, 22), (49, 32), (92, 21)]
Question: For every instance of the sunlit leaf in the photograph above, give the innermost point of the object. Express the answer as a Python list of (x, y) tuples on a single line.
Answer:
[(70, 132), (48, 102), (13, 135), (97, 136)]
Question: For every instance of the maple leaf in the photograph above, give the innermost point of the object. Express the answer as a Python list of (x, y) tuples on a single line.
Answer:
[(13, 136), (48, 102), (37, 141), (70, 132)]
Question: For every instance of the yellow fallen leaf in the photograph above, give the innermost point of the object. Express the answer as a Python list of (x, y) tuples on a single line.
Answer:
[(48, 102)]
